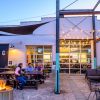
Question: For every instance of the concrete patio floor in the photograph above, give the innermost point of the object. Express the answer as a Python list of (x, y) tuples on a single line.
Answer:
[(73, 87)]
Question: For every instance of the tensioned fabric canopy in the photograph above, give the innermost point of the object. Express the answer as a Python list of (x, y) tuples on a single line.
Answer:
[(21, 30)]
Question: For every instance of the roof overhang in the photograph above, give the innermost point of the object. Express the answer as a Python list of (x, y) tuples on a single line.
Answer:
[(79, 12)]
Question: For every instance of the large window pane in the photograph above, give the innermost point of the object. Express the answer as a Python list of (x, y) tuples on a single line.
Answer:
[(64, 49), (75, 53), (39, 54), (47, 58)]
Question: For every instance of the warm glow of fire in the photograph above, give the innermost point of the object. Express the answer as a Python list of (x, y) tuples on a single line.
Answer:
[(2, 84)]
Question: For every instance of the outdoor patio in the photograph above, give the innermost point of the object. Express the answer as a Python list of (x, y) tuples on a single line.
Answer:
[(73, 87)]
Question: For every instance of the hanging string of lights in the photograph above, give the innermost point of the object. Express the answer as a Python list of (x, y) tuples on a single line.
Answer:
[(76, 26)]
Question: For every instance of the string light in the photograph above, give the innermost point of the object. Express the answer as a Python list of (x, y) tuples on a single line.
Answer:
[(75, 30), (97, 37), (87, 38), (92, 31), (68, 35), (81, 31), (98, 30), (82, 38), (71, 29), (63, 32)]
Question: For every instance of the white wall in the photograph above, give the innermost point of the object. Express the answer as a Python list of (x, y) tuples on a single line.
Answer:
[(18, 53), (46, 34), (67, 27), (98, 53)]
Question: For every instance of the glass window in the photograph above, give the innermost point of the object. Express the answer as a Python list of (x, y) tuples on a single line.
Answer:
[(74, 61), (40, 57), (39, 54), (64, 55), (64, 65), (74, 53), (74, 50), (64, 60), (64, 49), (74, 65), (75, 42), (47, 58)]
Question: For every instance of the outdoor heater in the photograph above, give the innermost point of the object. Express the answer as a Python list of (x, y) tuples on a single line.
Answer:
[(6, 92)]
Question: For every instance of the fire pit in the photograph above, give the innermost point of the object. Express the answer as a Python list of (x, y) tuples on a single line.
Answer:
[(6, 92)]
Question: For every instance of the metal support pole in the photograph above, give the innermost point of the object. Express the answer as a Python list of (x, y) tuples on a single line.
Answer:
[(94, 41), (57, 80), (94, 35)]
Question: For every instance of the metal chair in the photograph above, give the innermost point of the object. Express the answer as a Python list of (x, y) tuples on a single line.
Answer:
[(94, 86)]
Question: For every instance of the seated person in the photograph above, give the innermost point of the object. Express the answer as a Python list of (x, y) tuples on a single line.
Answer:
[(18, 73), (38, 67), (29, 68)]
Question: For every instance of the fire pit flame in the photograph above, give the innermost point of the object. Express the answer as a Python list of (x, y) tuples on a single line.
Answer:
[(2, 85)]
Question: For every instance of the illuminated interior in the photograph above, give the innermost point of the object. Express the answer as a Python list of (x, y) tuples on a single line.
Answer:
[(75, 55), (41, 54)]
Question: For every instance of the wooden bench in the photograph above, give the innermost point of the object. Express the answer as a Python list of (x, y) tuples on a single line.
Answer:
[(11, 80), (29, 83), (15, 83)]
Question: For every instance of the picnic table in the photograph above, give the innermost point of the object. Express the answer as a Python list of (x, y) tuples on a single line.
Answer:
[(33, 77), (5, 69)]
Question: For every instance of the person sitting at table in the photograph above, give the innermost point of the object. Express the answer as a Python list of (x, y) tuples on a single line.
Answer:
[(29, 68), (38, 67), (21, 79)]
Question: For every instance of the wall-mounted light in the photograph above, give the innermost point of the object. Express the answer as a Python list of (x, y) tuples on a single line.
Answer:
[(11, 46)]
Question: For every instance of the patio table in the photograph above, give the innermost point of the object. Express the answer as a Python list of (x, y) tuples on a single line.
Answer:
[(11, 74), (37, 75), (5, 69), (96, 78), (34, 77)]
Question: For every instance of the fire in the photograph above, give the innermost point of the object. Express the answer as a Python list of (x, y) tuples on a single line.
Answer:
[(2, 84)]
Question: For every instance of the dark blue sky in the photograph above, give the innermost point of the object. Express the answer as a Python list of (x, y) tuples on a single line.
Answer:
[(14, 11)]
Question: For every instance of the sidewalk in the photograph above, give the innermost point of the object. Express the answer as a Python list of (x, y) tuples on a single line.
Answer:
[(73, 87)]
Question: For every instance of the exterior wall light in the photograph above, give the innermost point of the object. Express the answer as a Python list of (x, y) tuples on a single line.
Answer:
[(11, 46)]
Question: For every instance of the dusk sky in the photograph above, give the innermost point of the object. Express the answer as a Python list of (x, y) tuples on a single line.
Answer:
[(14, 11)]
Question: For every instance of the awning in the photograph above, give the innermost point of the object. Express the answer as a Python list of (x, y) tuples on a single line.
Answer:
[(21, 30)]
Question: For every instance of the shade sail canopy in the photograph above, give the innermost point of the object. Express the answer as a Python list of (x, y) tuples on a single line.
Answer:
[(21, 30)]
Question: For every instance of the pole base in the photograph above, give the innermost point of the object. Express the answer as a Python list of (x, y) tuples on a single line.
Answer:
[(56, 92)]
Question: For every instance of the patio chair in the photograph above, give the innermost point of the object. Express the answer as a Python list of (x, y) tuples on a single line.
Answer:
[(94, 87), (93, 79)]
